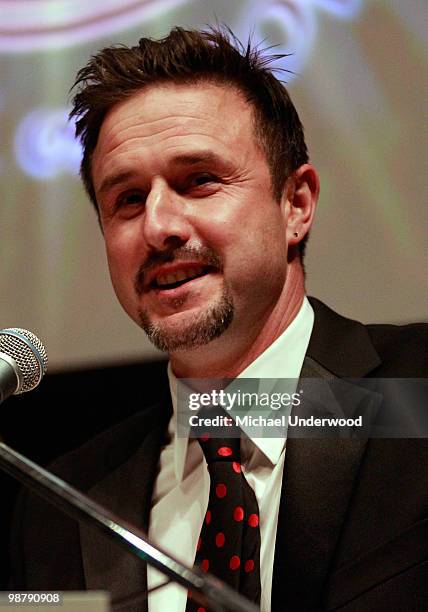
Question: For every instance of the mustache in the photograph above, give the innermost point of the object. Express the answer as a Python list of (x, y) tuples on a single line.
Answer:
[(201, 254)]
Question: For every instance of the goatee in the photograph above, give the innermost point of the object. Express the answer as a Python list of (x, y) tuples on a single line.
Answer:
[(204, 327)]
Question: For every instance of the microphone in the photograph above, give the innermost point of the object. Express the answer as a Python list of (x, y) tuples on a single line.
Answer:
[(23, 362)]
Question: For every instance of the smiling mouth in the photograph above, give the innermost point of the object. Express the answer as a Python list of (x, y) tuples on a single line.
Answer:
[(173, 280)]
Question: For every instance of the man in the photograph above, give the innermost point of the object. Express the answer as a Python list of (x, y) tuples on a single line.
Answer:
[(195, 159)]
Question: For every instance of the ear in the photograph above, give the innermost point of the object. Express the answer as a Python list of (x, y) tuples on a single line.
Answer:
[(300, 199)]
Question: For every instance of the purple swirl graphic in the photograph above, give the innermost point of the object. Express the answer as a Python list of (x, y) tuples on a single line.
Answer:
[(28, 25)]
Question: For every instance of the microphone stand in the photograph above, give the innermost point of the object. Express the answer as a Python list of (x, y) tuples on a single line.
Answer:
[(205, 588)]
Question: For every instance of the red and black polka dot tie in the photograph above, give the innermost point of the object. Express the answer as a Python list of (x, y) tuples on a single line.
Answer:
[(229, 544)]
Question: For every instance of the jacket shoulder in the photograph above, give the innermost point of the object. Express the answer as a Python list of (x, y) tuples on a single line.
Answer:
[(402, 348), (86, 465), (351, 349)]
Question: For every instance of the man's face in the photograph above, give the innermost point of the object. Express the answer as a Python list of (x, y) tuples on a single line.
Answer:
[(195, 240)]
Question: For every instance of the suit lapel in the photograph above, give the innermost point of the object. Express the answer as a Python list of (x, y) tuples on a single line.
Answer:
[(319, 474), (340, 346), (127, 492)]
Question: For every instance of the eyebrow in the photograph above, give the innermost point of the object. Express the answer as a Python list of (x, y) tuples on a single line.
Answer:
[(186, 159), (115, 179)]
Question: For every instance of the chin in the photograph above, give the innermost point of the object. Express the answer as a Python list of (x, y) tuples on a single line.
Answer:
[(188, 329)]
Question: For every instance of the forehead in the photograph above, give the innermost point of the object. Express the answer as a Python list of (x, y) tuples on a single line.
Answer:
[(165, 118)]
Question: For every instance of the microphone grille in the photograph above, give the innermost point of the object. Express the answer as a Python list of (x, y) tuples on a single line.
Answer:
[(29, 354)]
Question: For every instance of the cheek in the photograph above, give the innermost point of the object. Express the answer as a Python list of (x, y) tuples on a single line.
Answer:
[(122, 245), (251, 243), (260, 258), (123, 264)]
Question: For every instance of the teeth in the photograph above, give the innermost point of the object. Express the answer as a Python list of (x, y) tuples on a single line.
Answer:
[(181, 275)]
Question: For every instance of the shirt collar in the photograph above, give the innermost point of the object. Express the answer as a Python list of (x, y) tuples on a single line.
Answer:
[(282, 359)]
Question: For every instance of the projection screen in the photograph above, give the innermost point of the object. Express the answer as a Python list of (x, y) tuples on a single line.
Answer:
[(358, 76)]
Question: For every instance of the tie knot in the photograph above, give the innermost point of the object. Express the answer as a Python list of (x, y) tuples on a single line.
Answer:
[(220, 449)]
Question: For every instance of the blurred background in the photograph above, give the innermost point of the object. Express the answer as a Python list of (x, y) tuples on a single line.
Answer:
[(360, 84), (359, 81)]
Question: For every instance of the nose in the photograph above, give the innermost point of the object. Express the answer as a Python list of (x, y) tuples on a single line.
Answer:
[(165, 224)]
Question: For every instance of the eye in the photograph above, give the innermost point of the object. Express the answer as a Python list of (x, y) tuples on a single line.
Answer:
[(202, 179), (130, 198), (201, 184), (128, 204)]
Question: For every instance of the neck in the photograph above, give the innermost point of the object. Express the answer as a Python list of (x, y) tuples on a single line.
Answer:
[(229, 355)]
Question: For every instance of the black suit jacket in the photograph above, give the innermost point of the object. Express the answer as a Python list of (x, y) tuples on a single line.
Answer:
[(352, 529)]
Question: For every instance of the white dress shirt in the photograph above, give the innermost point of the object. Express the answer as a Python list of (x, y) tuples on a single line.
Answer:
[(181, 491)]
